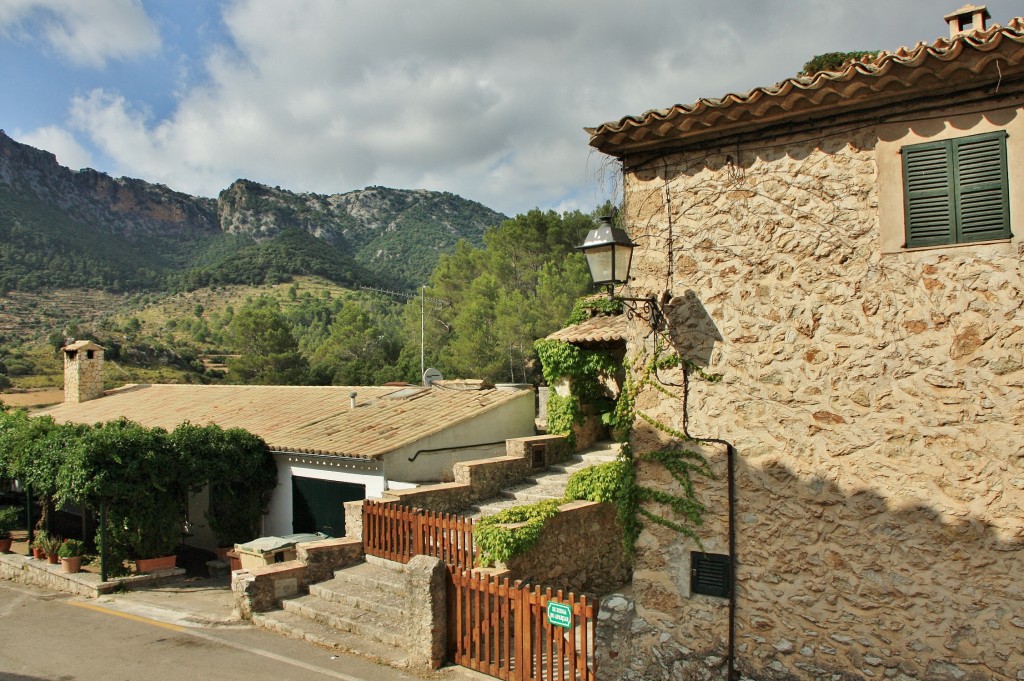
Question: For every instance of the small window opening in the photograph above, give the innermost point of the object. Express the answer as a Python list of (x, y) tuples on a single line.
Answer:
[(89, 354), (72, 354)]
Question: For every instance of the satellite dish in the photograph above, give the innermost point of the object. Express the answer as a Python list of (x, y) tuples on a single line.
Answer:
[(431, 375)]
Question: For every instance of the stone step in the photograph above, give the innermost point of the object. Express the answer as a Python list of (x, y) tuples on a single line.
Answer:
[(490, 508), (532, 497), (358, 599), (546, 484), (579, 462), (295, 626), (369, 577), (343, 618)]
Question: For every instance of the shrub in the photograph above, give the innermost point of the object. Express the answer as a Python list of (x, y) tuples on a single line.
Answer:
[(498, 542), (606, 482), (9, 518), (71, 548)]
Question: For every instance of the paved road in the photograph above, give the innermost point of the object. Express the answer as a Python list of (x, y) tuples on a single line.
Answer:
[(56, 637)]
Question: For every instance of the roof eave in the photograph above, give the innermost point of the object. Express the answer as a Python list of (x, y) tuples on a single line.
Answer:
[(924, 72)]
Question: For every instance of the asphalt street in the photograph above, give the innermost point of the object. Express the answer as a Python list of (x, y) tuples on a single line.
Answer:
[(56, 637)]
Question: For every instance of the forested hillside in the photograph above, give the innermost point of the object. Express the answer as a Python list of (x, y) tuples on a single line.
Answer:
[(264, 285), (63, 228)]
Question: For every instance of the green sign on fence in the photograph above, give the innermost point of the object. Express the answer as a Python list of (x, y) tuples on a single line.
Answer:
[(560, 614)]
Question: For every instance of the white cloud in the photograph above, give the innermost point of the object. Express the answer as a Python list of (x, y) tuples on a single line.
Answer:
[(487, 100), (86, 33), (61, 143)]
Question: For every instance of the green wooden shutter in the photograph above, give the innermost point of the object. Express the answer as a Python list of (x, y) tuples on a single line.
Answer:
[(983, 207), (928, 192)]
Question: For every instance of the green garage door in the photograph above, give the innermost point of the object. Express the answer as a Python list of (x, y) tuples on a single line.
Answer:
[(317, 504)]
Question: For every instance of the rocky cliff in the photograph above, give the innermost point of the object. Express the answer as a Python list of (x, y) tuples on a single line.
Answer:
[(60, 227)]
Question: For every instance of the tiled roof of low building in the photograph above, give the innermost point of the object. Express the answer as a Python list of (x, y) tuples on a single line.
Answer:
[(602, 329), (970, 60), (304, 419)]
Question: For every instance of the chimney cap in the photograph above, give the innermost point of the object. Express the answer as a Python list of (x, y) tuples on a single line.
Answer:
[(967, 19), (81, 345), (968, 9)]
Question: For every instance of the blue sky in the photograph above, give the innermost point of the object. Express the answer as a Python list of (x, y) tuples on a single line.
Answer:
[(483, 99)]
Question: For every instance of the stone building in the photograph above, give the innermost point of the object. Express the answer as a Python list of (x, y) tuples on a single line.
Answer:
[(845, 249)]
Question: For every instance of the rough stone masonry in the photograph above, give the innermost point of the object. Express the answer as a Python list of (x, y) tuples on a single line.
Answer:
[(876, 403)]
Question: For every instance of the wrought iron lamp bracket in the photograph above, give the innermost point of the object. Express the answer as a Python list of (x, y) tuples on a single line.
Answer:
[(646, 309)]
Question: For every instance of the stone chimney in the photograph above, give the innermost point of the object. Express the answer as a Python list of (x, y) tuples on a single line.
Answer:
[(83, 372), (967, 19)]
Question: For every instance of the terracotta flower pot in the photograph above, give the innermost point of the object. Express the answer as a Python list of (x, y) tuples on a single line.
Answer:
[(52, 559), (5, 545), (38, 554), (151, 564), (71, 565)]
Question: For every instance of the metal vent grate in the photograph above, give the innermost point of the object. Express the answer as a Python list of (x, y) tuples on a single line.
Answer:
[(538, 455), (709, 574)]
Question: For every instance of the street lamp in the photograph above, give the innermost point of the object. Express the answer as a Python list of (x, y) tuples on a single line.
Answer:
[(609, 252)]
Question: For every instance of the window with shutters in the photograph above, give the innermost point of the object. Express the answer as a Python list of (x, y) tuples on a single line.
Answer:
[(956, 191)]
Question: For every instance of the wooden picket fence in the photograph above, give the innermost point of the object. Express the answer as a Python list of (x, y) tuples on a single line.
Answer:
[(494, 626), (398, 533), (502, 629)]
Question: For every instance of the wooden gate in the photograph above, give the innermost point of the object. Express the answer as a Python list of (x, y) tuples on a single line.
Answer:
[(502, 629), (494, 626)]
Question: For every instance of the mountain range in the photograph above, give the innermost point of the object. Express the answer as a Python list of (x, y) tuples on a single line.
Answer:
[(61, 228)]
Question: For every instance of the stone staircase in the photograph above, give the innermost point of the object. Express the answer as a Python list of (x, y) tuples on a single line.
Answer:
[(357, 610), (545, 484), (353, 612)]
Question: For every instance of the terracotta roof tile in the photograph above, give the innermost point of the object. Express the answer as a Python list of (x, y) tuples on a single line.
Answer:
[(304, 419), (600, 329), (969, 60)]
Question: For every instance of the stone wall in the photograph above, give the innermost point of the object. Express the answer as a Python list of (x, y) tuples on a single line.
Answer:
[(323, 557), (556, 448), (261, 589), (875, 403), (354, 520), (580, 551), (425, 625), (18, 568)]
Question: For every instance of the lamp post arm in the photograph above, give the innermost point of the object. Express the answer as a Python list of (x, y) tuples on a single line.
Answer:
[(648, 309)]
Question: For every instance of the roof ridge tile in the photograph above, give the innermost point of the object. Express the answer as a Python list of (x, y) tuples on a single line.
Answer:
[(611, 135)]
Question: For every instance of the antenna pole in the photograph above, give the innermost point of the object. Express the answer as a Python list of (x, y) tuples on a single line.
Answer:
[(422, 327)]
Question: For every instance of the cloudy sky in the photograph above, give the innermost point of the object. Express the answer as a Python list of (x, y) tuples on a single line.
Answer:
[(483, 99)]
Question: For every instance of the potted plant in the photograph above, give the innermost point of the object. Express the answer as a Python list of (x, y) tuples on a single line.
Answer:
[(38, 552), (8, 521), (71, 552), (154, 535), (50, 544)]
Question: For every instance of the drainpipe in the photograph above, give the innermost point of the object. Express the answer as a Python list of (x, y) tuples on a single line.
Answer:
[(730, 460)]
